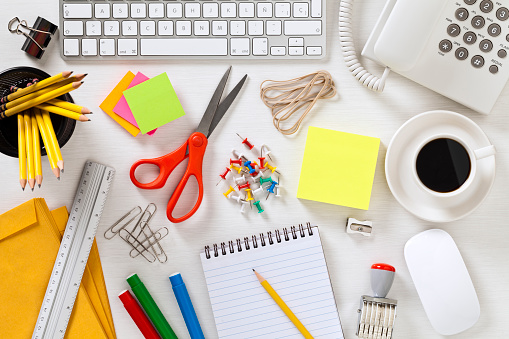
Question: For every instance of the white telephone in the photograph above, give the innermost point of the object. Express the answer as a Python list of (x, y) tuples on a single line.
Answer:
[(457, 48)]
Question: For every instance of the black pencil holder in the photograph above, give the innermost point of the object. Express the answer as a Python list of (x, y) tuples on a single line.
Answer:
[(20, 77)]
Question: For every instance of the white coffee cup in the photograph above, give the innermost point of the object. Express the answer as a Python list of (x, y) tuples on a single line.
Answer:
[(473, 154)]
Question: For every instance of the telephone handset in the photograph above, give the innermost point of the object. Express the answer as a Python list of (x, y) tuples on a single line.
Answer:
[(457, 48)]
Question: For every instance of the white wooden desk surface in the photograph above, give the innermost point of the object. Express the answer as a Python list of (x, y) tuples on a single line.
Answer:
[(481, 237)]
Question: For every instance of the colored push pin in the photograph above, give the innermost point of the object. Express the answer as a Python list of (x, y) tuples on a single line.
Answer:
[(256, 175), (272, 169), (235, 197), (264, 180), (271, 189), (246, 186), (278, 189), (223, 176), (237, 162), (249, 195), (247, 143), (249, 167), (258, 190), (243, 204), (262, 159), (238, 169), (238, 154), (257, 204), (267, 151), (227, 193), (240, 180)]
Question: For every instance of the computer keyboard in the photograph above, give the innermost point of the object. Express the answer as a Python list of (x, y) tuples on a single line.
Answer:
[(203, 29)]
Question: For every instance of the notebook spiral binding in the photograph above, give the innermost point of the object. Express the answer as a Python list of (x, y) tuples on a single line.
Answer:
[(253, 243)]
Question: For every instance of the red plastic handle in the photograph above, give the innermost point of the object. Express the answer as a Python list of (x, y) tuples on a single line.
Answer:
[(197, 145), (166, 164)]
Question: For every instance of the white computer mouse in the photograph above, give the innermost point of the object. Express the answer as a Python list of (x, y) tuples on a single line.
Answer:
[(442, 281)]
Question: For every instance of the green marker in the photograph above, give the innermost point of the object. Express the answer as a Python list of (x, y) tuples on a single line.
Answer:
[(150, 307)]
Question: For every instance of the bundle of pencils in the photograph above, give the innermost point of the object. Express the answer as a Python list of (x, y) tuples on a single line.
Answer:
[(33, 105)]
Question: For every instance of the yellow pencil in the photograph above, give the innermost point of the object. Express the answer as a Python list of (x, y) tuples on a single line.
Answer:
[(22, 152), (35, 87), (37, 150), (63, 112), (69, 106), (283, 306), (70, 80), (30, 149), (54, 142), (40, 99), (46, 139)]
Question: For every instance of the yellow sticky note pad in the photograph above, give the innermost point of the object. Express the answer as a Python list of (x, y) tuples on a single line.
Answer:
[(338, 168)]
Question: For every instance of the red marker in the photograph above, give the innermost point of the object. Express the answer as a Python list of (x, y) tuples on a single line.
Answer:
[(138, 316)]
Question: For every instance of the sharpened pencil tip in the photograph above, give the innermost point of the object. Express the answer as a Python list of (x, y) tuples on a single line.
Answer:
[(39, 185), (58, 178), (253, 270), (32, 189), (23, 188)]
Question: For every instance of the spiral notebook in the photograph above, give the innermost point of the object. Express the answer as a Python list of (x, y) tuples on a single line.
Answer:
[(293, 262)]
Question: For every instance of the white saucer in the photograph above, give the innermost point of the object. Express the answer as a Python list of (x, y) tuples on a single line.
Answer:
[(399, 166)]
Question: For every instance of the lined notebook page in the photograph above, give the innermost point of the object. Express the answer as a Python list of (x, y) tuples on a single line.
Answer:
[(296, 269)]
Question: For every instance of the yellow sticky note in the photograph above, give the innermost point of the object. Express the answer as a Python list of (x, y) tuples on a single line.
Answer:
[(338, 168), (112, 99)]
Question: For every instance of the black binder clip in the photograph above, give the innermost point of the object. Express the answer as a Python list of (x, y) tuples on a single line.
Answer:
[(38, 38)]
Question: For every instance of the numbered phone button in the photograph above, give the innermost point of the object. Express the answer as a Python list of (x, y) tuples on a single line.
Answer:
[(470, 2), (453, 30), (445, 46), (502, 14), (486, 45), (477, 61), (478, 22), (486, 6), (494, 30), (461, 14), (470, 38), (461, 53)]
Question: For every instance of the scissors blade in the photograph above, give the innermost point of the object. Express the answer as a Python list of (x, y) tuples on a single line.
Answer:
[(225, 104), (205, 122)]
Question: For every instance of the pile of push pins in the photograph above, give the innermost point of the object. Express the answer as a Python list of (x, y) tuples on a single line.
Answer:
[(248, 180)]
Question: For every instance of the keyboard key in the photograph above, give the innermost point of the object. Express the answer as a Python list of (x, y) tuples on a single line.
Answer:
[(303, 27), (138, 11), (300, 9), (156, 10), (174, 10), (127, 47), (282, 9), (89, 47), (102, 11), (295, 50), (210, 10), (73, 28), (219, 27), (129, 28), (192, 10), (228, 10), (71, 47), (255, 27), (239, 46), (94, 28), (296, 42), (274, 27), (77, 11), (316, 10), (120, 11), (147, 28), (311, 50), (246, 10), (165, 28), (111, 28), (260, 46), (264, 10), (237, 27), (183, 27), (185, 47), (201, 28), (107, 46), (276, 50)]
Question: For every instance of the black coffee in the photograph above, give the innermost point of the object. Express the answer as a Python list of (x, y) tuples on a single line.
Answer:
[(443, 165)]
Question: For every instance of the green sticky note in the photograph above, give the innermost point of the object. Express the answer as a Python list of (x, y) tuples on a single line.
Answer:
[(338, 168), (154, 103)]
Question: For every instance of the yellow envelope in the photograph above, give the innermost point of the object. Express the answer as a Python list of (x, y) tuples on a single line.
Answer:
[(29, 243)]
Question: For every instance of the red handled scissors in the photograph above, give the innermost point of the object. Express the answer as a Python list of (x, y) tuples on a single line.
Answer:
[(194, 149)]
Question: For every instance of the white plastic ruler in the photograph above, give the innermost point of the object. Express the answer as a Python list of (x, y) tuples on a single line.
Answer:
[(73, 253)]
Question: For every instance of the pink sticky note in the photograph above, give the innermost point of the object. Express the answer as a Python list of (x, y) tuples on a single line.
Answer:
[(123, 110)]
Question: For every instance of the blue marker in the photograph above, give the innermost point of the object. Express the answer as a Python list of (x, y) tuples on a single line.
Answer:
[(186, 306)]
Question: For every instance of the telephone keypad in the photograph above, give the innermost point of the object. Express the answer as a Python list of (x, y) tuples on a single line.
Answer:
[(494, 30), (470, 38), (478, 22), (461, 53), (486, 45), (454, 30), (445, 45), (502, 14), (486, 6), (477, 61), (462, 14)]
